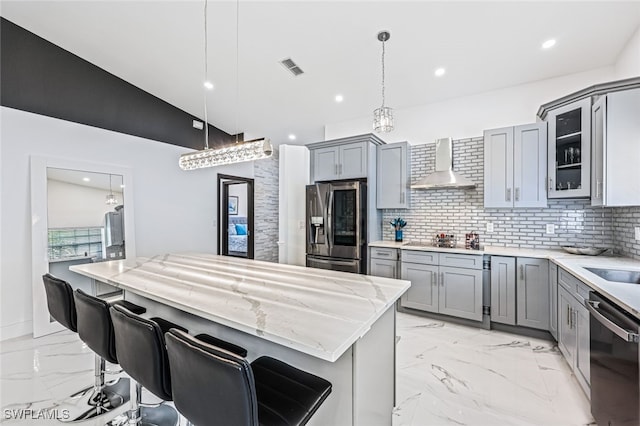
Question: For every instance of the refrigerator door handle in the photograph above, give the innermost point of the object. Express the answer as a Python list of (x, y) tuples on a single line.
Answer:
[(329, 211)]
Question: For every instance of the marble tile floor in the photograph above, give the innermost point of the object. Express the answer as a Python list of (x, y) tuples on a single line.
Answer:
[(448, 374)]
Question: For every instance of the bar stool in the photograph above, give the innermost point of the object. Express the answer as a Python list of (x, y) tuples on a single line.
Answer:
[(142, 354), (214, 386), (101, 397), (96, 330)]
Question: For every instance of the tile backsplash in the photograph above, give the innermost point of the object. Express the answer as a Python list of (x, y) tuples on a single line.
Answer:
[(461, 211)]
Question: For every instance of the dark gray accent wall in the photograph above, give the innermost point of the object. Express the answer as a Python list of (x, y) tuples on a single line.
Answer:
[(40, 77)]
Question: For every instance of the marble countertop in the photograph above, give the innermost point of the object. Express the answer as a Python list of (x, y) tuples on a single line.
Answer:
[(315, 311), (625, 295)]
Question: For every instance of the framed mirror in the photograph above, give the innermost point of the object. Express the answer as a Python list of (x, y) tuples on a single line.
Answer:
[(77, 216)]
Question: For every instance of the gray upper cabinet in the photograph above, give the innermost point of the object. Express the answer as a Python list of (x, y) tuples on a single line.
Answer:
[(616, 149), (393, 174), (569, 152), (353, 157), (347, 161), (503, 290), (553, 300), (515, 166), (533, 293)]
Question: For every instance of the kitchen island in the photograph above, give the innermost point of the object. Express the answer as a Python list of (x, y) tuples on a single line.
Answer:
[(339, 326)]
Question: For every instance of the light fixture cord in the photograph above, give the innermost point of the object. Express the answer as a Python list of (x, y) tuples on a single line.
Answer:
[(383, 41), (206, 74), (237, 66)]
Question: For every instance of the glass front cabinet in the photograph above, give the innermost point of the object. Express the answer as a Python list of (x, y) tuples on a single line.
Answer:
[(569, 171)]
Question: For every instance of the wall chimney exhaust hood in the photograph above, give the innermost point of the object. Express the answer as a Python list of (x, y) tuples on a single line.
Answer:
[(444, 176)]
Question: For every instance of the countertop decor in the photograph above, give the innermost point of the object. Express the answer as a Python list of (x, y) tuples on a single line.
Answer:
[(398, 223)]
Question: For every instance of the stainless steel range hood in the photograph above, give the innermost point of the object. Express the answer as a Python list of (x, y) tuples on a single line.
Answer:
[(444, 176)]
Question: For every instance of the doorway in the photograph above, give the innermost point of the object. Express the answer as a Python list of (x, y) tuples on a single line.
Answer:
[(235, 216)]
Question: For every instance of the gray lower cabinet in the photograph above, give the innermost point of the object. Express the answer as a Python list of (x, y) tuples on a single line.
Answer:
[(503, 290), (383, 262), (553, 300), (445, 283), (423, 293), (520, 291), (573, 327), (460, 293), (532, 293)]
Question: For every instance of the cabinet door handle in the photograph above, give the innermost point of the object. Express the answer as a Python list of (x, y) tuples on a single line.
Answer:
[(508, 195), (517, 194), (598, 189), (550, 184), (442, 279), (433, 277), (335, 168), (568, 314), (522, 272), (340, 168)]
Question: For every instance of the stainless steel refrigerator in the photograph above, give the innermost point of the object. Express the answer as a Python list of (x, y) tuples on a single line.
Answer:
[(336, 225)]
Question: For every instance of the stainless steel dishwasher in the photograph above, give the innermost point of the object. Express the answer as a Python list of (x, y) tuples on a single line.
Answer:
[(615, 355)]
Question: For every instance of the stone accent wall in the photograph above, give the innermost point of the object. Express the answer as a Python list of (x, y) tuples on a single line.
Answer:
[(625, 219), (460, 211), (266, 208)]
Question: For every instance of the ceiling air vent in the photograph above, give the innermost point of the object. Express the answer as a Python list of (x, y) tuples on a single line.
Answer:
[(291, 66)]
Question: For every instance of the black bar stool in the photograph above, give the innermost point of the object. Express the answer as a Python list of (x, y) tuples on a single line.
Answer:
[(101, 397), (215, 386), (143, 356), (96, 330)]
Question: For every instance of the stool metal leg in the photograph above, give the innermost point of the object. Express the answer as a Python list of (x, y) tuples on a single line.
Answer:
[(146, 414), (100, 398)]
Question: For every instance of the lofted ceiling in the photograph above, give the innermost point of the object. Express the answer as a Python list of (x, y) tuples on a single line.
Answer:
[(159, 47)]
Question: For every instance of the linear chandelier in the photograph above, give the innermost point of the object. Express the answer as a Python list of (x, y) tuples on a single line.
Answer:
[(256, 149), (246, 151)]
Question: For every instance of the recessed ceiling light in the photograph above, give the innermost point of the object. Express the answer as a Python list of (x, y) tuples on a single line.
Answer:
[(440, 72), (292, 137), (339, 98), (549, 44), (86, 179), (208, 85)]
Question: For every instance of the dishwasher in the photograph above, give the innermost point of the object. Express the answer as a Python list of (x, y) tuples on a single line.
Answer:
[(614, 359)]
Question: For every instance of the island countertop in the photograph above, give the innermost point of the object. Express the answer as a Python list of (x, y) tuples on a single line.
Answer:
[(315, 311)]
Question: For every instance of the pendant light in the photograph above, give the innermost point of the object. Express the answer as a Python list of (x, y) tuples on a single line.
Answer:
[(246, 151), (111, 199), (383, 116)]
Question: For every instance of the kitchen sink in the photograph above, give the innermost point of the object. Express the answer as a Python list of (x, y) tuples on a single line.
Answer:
[(617, 275)]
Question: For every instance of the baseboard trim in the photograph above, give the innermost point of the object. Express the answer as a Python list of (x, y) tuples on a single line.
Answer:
[(18, 329)]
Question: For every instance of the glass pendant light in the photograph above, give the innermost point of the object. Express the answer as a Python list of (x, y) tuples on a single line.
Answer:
[(111, 198), (383, 116)]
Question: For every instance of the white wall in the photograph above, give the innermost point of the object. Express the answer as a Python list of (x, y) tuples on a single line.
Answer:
[(469, 116), (628, 62), (293, 177), (174, 210), (76, 206)]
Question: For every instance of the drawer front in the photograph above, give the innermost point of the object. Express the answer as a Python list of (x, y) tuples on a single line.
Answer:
[(384, 253), (568, 281), (583, 292), (470, 261), (424, 257)]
